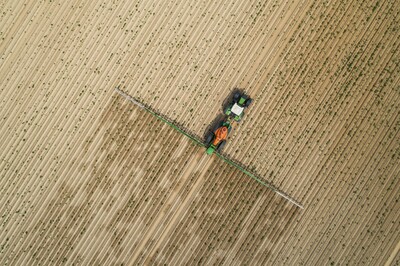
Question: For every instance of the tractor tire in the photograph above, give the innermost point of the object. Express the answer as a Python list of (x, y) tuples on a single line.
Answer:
[(221, 146), (236, 97), (227, 111), (209, 138), (248, 102)]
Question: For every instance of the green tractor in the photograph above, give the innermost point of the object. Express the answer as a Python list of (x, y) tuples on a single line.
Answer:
[(236, 108), (216, 139)]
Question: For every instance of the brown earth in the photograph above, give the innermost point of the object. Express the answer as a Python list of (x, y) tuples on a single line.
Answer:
[(88, 178)]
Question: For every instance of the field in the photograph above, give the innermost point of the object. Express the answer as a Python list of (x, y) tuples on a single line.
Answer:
[(89, 178)]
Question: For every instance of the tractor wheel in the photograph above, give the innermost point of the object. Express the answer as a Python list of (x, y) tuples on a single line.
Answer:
[(221, 146), (209, 138), (227, 111), (248, 102), (236, 97)]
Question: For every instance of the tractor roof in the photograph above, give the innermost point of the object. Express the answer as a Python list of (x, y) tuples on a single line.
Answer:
[(236, 109)]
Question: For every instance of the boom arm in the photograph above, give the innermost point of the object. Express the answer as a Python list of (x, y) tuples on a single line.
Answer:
[(197, 141)]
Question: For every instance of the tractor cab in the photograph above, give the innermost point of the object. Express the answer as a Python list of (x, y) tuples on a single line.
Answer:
[(236, 108)]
